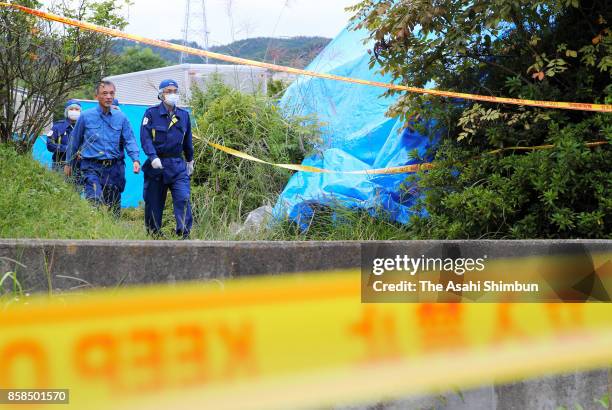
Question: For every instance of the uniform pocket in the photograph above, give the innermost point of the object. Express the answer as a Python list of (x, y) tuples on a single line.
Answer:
[(176, 135), (159, 134), (94, 142), (93, 132), (115, 130)]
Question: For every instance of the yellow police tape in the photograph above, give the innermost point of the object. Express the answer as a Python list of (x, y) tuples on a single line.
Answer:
[(542, 147), (306, 168), (379, 171), (296, 341), (274, 67)]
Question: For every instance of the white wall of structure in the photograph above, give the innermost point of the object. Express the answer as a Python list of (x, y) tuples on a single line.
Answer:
[(141, 87)]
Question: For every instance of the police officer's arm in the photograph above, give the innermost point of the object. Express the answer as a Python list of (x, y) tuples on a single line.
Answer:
[(130, 144), (188, 142), (52, 137), (146, 138), (75, 140)]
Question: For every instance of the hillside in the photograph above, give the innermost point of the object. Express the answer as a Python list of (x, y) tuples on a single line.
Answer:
[(294, 51), (36, 202)]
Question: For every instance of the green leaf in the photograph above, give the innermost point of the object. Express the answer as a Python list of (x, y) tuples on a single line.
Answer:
[(604, 401)]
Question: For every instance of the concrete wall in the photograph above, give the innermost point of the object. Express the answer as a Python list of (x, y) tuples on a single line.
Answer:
[(109, 263), (65, 265), (571, 391)]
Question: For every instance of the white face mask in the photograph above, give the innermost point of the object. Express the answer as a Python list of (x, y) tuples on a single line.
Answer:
[(73, 115), (171, 99)]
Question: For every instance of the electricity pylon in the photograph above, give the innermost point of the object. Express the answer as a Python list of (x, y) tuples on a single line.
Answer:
[(195, 27)]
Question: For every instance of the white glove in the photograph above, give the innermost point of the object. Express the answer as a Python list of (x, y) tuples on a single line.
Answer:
[(156, 164), (190, 167)]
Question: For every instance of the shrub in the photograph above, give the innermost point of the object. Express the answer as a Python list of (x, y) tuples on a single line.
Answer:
[(229, 187), (540, 50)]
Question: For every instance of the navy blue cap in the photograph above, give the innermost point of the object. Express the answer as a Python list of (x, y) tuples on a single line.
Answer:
[(167, 83), (72, 102)]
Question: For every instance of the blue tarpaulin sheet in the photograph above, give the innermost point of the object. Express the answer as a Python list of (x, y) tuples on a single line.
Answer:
[(134, 182), (356, 136)]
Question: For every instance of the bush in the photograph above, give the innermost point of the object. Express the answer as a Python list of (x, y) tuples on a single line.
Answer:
[(539, 50), (564, 192), (226, 188)]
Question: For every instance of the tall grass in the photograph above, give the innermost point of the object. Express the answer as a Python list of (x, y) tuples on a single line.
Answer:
[(341, 224), (36, 202), (225, 188)]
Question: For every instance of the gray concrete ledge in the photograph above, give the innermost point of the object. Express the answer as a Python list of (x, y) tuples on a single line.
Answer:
[(570, 391), (64, 264)]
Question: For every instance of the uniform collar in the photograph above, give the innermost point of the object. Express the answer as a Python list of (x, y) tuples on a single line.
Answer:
[(99, 108), (163, 110)]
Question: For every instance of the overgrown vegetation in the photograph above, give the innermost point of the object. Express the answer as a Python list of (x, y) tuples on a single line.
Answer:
[(226, 188), (541, 50), (276, 88), (480, 187), (37, 203), (342, 224)]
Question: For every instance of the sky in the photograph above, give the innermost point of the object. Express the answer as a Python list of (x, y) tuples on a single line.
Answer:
[(230, 20)]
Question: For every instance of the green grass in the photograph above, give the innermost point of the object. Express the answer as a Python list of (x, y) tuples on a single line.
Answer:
[(341, 224), (37, 203)]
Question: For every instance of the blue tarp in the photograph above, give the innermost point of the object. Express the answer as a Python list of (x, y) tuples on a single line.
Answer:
[(134, 182), (356, 136)]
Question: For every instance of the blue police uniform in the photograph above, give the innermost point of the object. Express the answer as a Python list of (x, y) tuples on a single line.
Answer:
[(57, 142), (167, 136), (100, 139)]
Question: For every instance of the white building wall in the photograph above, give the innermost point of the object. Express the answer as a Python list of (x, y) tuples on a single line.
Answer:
[(20, 94), (142, 87)]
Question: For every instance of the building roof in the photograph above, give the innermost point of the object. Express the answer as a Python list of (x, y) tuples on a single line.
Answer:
[(195, 68), (141, 87)]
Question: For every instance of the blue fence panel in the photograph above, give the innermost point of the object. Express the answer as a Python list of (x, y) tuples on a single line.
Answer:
[(132, 195)]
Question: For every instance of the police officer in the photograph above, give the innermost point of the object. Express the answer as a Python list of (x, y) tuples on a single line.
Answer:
[(99, 137), (165, 136), (57, 138)]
